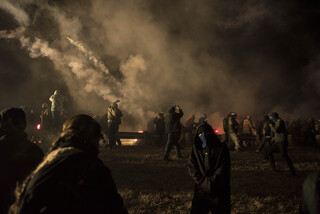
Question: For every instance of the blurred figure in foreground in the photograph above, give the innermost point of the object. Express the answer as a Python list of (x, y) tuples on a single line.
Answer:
[(173, 128), (209, 167), (18, 156), (279, 142), (310, 203), (114, 121), (71, 178)]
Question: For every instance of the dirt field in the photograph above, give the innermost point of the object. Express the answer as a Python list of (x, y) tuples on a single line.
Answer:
[(150, 185)]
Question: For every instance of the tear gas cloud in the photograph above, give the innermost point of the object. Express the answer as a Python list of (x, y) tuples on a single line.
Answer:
[(208, 57)]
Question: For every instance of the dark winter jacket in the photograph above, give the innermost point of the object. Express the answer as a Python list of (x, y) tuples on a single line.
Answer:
[(173, 121), (114, 115), (264, 130), (279, 130), (70, 180), (210, 167), (18, 157), (160, 125)]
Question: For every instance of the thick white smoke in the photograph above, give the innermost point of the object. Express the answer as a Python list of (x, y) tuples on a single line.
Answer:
[(205, 57)]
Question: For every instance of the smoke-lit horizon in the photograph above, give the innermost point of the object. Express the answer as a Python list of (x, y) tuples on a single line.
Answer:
[(208, 57)]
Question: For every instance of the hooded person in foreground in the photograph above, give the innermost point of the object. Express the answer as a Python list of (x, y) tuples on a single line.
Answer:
[(71, 178), (18, 156), (209, 167)]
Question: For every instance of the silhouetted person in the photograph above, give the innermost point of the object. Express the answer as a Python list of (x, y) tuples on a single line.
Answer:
[(160, 124), (309, 133), (264, 135), (209, 167), (279, 142), (114, 121), (190, 124), (296, 132), (232, 131), (71, 178), (173, 128), (18, 156), (248, 129), (57, 101), (45, 117)]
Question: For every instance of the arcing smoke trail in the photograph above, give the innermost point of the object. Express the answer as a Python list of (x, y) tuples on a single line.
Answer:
[(90, 55)]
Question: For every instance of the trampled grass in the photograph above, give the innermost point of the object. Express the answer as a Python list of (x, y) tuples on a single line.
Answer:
[(150, 185)]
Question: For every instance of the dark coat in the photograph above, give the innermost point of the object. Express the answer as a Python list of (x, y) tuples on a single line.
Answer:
[(160, 125), (279, 130), (211, 175), (18, 157), (173, 121), (70, 180)]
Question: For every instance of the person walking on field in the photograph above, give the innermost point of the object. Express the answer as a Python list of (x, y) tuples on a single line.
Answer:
[(248, 129), (114, 121), (279, 142), (209, 167), (173, 128), (232, 131)]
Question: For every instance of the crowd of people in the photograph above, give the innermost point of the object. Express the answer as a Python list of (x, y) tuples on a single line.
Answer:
[(79, 182)]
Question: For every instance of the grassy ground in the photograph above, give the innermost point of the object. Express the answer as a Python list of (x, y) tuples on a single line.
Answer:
[(150, 185)]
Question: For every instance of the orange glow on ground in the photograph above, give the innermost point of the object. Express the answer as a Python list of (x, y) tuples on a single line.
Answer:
[(129, 142)]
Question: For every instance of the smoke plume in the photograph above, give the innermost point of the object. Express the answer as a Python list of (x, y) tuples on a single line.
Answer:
[(208, 57)]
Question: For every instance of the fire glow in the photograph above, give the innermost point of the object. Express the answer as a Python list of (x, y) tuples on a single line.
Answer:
[(129, 142)]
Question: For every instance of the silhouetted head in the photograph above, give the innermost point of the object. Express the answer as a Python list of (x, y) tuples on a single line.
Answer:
[(233, 115), (172, 109), (44, 105), (13, 120), (160, 115), (274, 115), (80, 131), (205, 131), (266, 118), (193, 117)]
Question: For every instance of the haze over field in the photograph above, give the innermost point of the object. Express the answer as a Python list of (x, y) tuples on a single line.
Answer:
[(207, 56)]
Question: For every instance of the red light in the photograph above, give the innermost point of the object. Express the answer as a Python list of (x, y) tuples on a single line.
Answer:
[(216, 131), (38, 126)]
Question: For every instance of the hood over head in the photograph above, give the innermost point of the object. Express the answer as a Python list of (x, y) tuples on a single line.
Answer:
[(211, 138), (13, 120)]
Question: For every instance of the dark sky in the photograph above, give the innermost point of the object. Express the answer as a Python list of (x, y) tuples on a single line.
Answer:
[(252, 57)]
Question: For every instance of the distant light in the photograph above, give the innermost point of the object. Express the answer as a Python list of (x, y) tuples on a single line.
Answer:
[(140, 131), (38, 126), (216, 131), (135, 140)]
